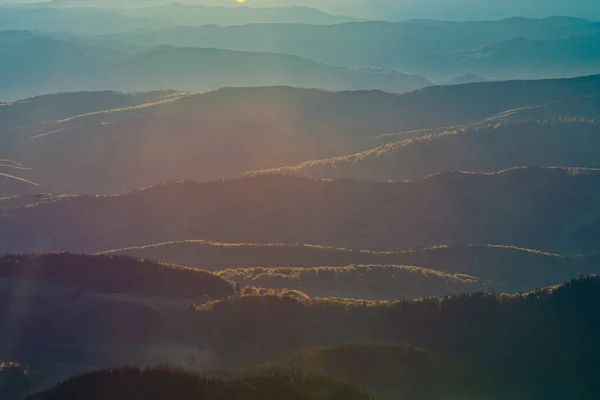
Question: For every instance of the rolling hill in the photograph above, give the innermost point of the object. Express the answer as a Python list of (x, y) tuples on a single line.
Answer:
[(286, 204), (129, 383), (485, 147), (504, 269), (162, 137), (65, 313), (194, 69), (15, 380), (43, 65), (573, 54), (457, 334), (59, 106), (551, 209), (107, 275), (178, 14), (437, 48), (56, 17), (506, 337), (368, 282), (388, 372), (585, 108), (459, 10)]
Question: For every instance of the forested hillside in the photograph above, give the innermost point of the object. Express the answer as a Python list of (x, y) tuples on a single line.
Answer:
[(456, 330), (369, 282), (108, 275), (264, 200), (137, 141), (386, 371), (550, 209), (504, 269), (15, 380), (154, 384), (487, 147), (46, 64), (502, 49), (462, 327)]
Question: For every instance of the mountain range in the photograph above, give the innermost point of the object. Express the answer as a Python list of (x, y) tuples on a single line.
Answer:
[(486, 147), (522, 205), (497, 268), (105, 133), (77, 18), (505, 49), (395, 57), (459, 10), (33, 64), (273, 200)]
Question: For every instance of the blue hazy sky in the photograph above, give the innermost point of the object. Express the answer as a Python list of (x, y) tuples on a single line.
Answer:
[(406, 9)]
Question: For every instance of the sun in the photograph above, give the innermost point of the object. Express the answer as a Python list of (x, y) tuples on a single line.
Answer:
[(240, 1)]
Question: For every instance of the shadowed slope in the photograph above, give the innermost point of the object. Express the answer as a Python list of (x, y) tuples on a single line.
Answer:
[(167, 383), (485, 148), (551, 209), (261, 128), (109, 274), (389, 372), (15, 380), (368, 282), (506, 269)]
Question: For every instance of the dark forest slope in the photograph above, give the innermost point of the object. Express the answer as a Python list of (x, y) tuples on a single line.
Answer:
[(534, 344), (539, 345), (368, 282), (34, 275), (388, 372), (506, 269), (485, 148), (15, 380), (550, 209), (167, 383)]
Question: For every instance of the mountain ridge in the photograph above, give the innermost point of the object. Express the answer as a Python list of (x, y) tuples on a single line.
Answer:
[(275, 208)]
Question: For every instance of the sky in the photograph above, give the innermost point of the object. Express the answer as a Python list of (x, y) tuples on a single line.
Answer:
[(405, 9)]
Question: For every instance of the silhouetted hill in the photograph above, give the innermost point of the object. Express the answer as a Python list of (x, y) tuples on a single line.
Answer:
[(587, 108), (14, 36), (43, 65), (178, 14), (486, 147), (178, 67), (467, 78), (459, 10), (64, 313), (129, 383), (369, 282), (190, 136), (534, 345), (109, 275), (502, 336), (25, 200), (15, 380), (388, 372), (96, 20), (55, 107), (573, 54), (505, 269), (551, 209), (429, 47)]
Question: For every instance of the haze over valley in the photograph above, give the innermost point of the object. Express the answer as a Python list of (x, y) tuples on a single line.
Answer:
[(316, 200)]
